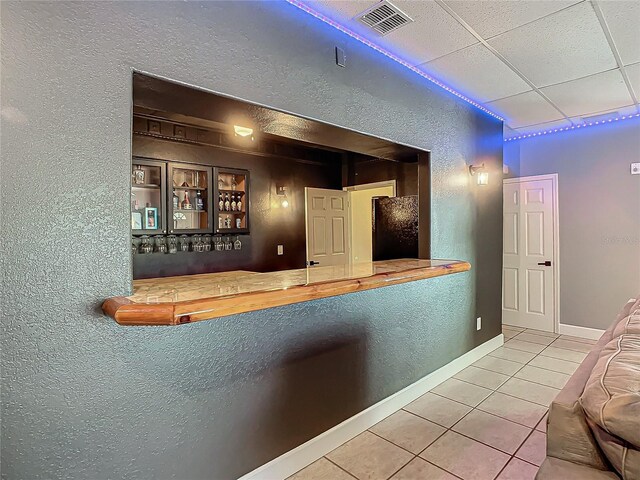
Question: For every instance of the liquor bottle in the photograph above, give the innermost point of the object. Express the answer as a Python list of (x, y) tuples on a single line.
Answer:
[(220, 202), (220, 222), (239, 203), (238, 223), (227, 203), (199, 201), (176, 201), (233, 202), (186, 203), (237, 245)]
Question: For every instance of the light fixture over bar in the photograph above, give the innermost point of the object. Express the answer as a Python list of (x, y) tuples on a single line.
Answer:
[(338, 26), (573, 127), (242, 131)]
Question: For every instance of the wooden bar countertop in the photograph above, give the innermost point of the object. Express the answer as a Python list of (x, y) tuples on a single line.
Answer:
[(190, 298)]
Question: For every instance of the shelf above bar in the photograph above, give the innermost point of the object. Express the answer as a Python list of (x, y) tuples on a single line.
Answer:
[(191, 298)]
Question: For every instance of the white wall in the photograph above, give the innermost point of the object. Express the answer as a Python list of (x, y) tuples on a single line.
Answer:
[(599, 204)]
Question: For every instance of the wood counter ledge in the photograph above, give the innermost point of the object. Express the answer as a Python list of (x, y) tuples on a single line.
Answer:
[(190, 298)]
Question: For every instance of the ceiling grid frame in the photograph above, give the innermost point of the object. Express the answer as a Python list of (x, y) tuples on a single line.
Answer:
[(587, 35), (614, 50), (500, 57)]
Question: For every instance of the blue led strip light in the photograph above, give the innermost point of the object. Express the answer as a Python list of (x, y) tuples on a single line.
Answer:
[(573, 127), (387, 53)]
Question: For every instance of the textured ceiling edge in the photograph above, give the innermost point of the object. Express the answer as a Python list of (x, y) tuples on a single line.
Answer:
[(573, 127), (338, 26)]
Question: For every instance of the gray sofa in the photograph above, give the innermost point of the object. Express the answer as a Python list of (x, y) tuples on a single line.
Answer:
[(593, 429)]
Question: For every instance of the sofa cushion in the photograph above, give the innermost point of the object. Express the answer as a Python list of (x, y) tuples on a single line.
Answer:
[(629, 324), (556, 469), (622, 456), (630, 306), (611, 400)]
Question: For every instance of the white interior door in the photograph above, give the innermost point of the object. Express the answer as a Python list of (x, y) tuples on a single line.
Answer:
[(327, 220), (529, 263)]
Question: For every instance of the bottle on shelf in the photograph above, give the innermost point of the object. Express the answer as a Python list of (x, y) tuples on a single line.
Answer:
[(238, 223), (233, 202), (220, 202), (220, 222), (239, 203), (199, 201), (176, 201), (186, 203), (227, 203)]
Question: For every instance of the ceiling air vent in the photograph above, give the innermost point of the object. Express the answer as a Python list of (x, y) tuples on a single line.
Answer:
[(384, 17)]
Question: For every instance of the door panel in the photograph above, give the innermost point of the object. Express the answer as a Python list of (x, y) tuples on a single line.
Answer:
[(327, 226), (510, 289), (535, 292), (535, 233), (527, 294), (319, 235), (339, 235), (510, 241)]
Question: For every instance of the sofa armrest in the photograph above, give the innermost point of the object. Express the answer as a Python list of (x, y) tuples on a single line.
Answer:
[(568, 435)]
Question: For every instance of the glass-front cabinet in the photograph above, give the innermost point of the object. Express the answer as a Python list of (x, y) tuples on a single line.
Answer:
[(190, 203), (148, 193), (178, 206), (231, 203)]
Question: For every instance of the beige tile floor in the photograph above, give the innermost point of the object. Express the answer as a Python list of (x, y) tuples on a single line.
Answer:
[(486, 422)]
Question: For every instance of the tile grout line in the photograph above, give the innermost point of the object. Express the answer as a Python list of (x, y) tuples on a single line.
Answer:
[(328, 459)]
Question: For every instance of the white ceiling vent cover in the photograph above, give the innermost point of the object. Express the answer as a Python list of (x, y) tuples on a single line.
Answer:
[(384, 17)]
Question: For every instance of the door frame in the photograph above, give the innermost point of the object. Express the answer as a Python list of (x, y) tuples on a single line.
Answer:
[(365, 186), (556, 239), (369, 186)]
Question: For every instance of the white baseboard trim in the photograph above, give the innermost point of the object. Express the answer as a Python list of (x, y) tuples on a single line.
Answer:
[(582, 332), (289, 463)]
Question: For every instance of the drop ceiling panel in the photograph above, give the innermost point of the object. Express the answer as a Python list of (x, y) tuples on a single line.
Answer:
[(490, 18), (478, 73), (541, 127), (596, 93), (432, 34), (525, 109), (623, 19), (617, 112), (564, 46), (633, 71), (341, 10)]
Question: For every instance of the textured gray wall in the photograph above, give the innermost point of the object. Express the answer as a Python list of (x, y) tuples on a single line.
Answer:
[(85, 398), (599, 204)]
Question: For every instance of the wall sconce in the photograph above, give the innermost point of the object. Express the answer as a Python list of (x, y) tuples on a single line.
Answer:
[(243, 131), (281, 191), (482, 174)]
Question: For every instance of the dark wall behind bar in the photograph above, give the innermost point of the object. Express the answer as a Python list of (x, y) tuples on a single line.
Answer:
[(85, 398), (271, 224), (377, 170)]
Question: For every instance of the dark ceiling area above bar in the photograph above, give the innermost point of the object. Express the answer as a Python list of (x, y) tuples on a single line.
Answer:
[(192, 106)]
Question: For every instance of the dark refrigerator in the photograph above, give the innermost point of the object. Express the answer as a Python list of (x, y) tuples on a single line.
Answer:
[(395, 227)]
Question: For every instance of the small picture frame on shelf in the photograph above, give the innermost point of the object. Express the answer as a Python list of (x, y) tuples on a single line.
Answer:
[(150, 218), (136, 221)]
